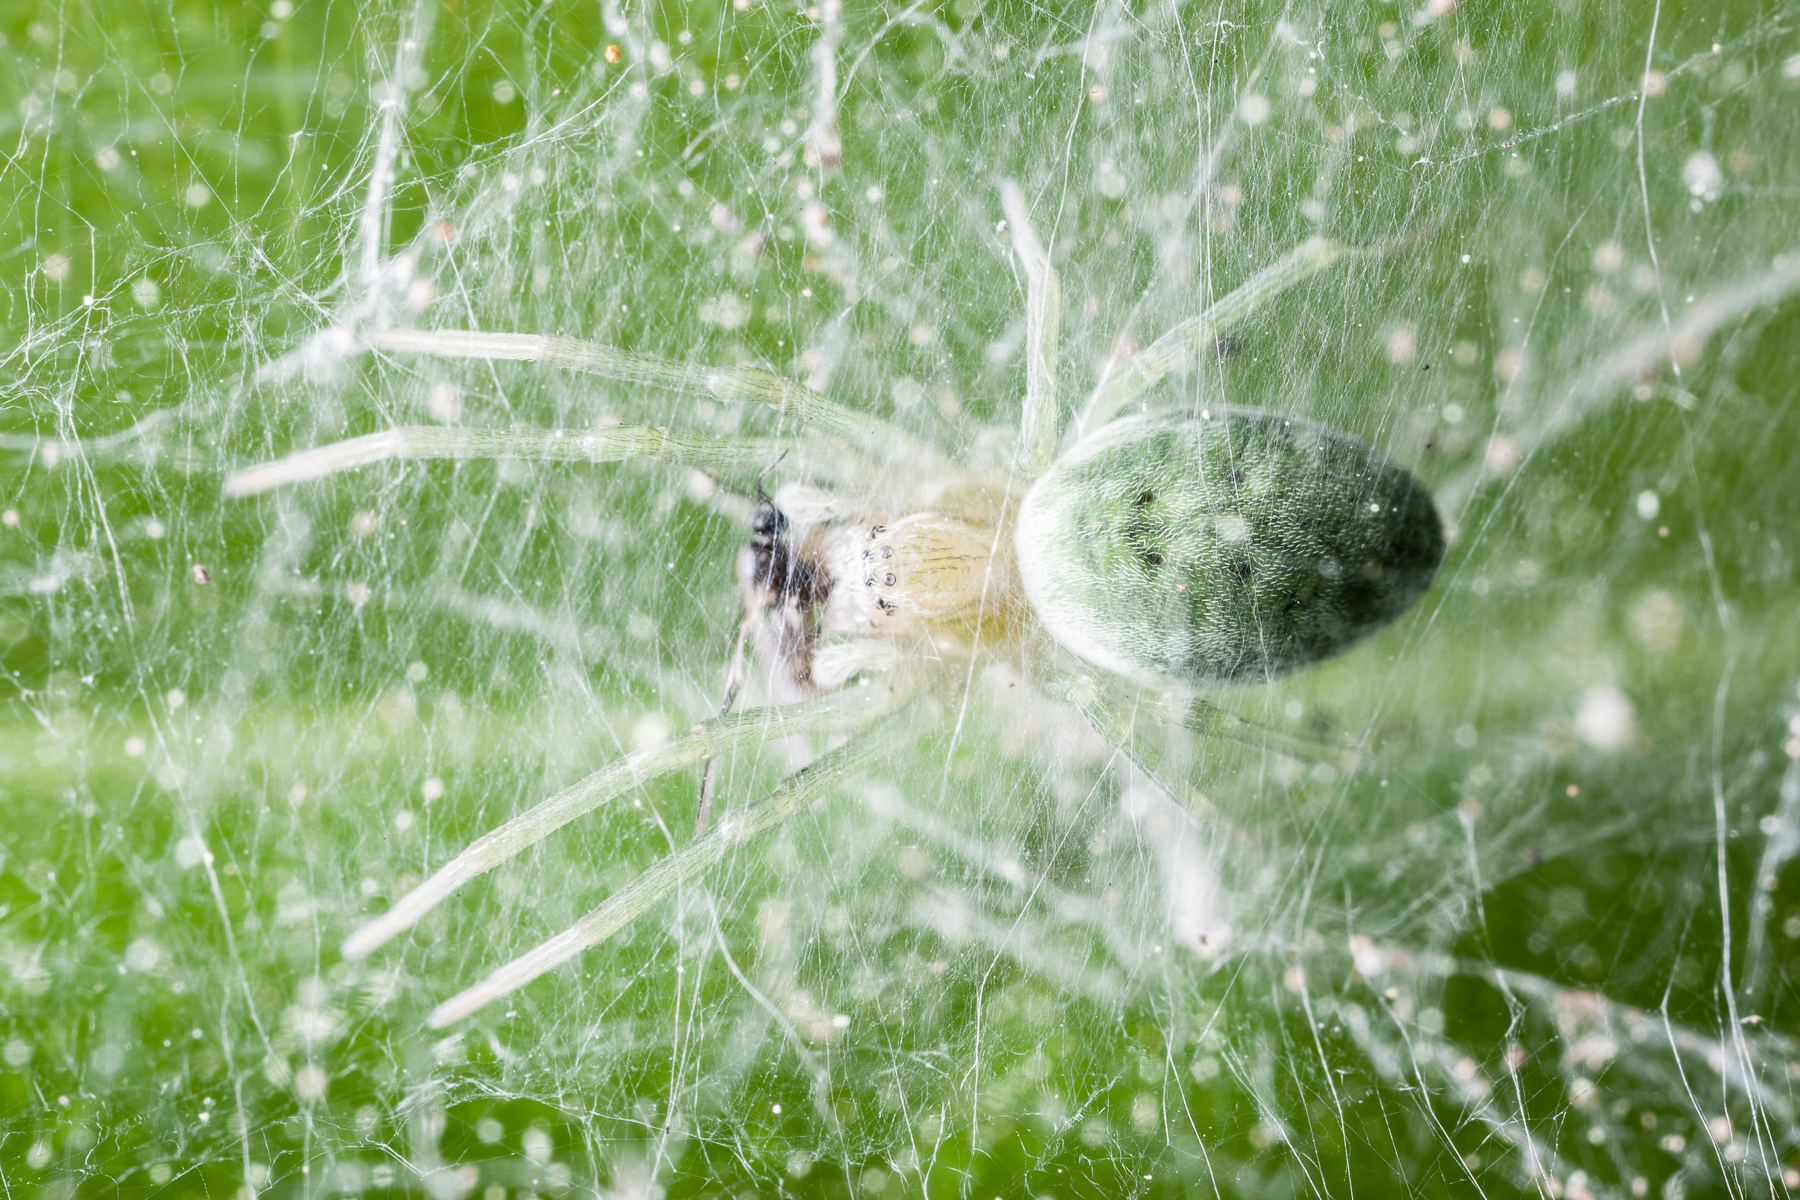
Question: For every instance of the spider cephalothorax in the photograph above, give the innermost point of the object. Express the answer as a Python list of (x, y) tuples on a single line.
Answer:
[(1175, 548), (814, 576), (898, 575)]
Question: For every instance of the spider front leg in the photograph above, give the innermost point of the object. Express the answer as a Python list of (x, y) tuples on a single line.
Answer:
[(877, 438), (1178, 347), (852, 708), (610, 443), (792, 796), (1040, 424)]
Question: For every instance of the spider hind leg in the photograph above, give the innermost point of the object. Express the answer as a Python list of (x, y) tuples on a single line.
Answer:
[(854, 709), (877, 740)]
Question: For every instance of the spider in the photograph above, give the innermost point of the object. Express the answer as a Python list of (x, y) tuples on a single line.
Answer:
[(1176, 547)]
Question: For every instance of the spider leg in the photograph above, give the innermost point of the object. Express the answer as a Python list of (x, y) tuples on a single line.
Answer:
[(853, 707), (1116, 729), (610, 443), (875, 437), (1209, 720), (784, 639), (1178, 347), (1197, 716), (1039, 426), (734, 682), (793, 795)]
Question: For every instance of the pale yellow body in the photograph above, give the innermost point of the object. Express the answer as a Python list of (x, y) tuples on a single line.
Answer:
[(894, 577)]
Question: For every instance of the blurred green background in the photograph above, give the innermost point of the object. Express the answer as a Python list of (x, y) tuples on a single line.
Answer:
[(1539, 945)]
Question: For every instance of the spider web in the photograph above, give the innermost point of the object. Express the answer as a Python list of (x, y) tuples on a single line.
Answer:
[(1538, 944)]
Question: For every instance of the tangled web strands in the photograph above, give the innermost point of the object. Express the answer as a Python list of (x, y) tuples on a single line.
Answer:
[(1499, 900)]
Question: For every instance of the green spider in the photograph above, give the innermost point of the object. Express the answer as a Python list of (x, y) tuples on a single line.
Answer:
[(1178, 549)]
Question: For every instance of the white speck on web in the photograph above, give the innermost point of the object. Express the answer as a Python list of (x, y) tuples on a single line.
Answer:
[(1702, 175), (1606, 719)]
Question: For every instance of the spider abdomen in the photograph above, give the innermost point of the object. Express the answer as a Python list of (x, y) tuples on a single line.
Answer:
[(1237, 544)]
